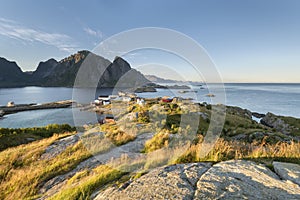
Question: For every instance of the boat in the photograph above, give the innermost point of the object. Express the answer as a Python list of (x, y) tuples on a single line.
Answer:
[(185, 91), (182, 91), (210, 95)]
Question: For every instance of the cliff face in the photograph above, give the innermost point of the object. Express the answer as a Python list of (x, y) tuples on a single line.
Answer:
[(98, 71)]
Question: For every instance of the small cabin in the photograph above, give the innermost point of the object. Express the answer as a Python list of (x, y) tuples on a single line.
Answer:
[(104, 98), (167, 99), (10, 104), (109, 118), (140, 101)]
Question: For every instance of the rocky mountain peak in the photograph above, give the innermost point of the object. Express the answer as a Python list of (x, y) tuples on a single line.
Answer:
[(75, 58), (9, 66), (52, 73), (11, 74)]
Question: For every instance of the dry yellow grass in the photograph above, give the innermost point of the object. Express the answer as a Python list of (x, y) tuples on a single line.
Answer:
[(225, 150), (22, 171)]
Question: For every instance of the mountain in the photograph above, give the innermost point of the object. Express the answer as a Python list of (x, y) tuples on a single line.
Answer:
[(156, 79), (11, 74), (92, 71)]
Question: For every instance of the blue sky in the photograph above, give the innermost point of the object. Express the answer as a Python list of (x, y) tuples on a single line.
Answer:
[(249, 41)]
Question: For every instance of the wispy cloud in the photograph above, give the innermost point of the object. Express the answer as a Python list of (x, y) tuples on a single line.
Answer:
[(14, 30), (92, 32)]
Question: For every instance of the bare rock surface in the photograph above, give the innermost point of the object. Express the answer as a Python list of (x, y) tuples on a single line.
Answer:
[(288, 171), (171, 182), (59, 146), (234, 179), (244, 180)]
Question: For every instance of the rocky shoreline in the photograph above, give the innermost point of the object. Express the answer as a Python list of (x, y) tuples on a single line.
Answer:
[(5, 110)]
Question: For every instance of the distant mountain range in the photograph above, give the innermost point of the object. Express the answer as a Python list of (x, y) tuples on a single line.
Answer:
[(156, 79), (98, 71)]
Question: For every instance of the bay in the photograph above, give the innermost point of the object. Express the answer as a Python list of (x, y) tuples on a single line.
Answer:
[(280, 99)]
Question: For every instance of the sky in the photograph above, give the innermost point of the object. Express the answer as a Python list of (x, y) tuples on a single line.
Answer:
[(248, 41)]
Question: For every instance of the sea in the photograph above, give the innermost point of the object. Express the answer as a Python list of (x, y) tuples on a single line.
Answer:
[(280, 99)]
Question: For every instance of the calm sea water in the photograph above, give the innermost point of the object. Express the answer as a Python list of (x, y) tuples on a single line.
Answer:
[(281, 99)]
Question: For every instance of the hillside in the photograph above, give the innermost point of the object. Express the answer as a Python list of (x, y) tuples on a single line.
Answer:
[(135, 158), (51, 73)]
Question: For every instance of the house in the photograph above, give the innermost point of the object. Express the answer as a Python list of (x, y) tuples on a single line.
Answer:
[(103, 100), (166, 99), (140, 101), (10, 104)]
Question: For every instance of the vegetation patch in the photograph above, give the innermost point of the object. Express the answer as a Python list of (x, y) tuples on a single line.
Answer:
[(22, 171), (10, 137), (82, 190)]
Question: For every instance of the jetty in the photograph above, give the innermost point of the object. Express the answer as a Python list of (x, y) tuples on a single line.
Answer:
[(4, 110)]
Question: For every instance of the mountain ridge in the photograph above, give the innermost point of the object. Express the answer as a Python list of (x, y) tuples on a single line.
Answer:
[(63, 73)]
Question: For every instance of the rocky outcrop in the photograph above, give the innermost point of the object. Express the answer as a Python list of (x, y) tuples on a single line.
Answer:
[(275, 122), (288, 171), (239, 111), (225, 180), (258, 115), (172, 182), (244, 180)]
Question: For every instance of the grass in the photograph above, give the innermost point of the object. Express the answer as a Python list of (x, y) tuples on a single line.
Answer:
[(10, 137), (95, 141), (294, 123), (116, 135), (226, 150), (22, 171), (83, 189), (158, 141)]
